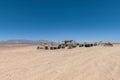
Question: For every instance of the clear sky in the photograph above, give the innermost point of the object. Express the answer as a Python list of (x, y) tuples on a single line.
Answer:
[(56, 20)]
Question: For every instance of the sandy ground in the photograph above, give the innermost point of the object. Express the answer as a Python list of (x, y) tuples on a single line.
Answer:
[(24, 62)]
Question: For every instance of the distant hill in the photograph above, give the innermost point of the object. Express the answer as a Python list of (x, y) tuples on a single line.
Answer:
[(27, 42)]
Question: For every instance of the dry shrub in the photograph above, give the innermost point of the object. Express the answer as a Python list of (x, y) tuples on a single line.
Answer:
[(46, 47), (81, 45), (108, 44)]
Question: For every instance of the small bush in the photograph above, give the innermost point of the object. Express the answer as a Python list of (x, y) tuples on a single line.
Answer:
[(81, 45), (46, 48), (108, 44), (38, 47), (63, 47), (73, 46)]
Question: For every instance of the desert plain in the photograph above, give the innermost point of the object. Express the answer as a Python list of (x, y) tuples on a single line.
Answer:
[(25, 62)]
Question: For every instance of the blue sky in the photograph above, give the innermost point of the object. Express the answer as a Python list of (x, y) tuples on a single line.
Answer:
[(56, 20)]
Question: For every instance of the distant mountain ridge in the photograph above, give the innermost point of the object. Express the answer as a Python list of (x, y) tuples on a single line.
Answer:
[(27, 42)]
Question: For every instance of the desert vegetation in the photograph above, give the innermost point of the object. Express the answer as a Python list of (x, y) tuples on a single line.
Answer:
[(69, 44), (108, 44)]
